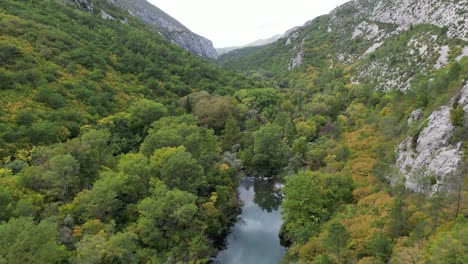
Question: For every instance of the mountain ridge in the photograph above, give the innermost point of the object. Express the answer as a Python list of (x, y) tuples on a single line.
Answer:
[(352, 35), (167, 26)]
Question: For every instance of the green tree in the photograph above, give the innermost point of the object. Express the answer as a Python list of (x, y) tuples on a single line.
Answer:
[(337, 238), (50, 98), (310, 199), (63, 173), (379, 246), (177, 169), (455, 70), (122, 248), (143, 113), (25, 208), (25, 119), (307, 129), (90, 249), (98, 142), (188, 105), (23, 241), (437, 203), (114, 192), (450, 246), (456, 116), (213, 111), (398, 215), (166, 221), (182, 131), (270, 150), (231, 134), (6, 207), (260, 98)]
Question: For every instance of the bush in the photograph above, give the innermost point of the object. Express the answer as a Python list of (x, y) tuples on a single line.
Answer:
[(8, 54), (456, 116), (24, 119), (50, 98)]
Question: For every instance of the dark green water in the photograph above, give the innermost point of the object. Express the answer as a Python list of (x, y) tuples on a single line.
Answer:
[(254, 239)]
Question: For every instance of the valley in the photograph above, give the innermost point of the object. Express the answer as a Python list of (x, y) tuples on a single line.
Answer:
[(126, 138)]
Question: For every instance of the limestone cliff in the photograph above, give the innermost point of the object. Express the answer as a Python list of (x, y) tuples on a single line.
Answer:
[(173, 30), (167, 26), (362, 27), (429, 160)]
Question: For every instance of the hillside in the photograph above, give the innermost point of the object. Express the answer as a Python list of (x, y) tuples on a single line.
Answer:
[(93, 65), (383, 86), (167, 26), (366, 33), (81, 97)]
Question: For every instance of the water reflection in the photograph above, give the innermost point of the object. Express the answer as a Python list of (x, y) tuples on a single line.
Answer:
[(255, 239), (268, 195)]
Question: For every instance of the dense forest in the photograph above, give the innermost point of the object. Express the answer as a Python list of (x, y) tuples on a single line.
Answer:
[(111, 141), (119, 147)]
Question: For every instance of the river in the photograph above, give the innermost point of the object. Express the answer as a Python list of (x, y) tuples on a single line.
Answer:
[(254, 238)]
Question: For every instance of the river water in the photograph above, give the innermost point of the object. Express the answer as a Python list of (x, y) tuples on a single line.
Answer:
[(254, 238)]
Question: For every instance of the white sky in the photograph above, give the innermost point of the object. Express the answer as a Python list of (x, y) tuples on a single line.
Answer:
[(238, 22)]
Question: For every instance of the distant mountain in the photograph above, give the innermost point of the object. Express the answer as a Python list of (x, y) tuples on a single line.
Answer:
[(358, 30), (260, 42), (167, 26)]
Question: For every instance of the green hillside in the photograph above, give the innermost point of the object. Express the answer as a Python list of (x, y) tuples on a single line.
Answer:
[(67, 68), (349, 99), (79, 95)]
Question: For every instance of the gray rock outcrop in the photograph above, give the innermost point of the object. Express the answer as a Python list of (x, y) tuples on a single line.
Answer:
[(167, 26), (298, 56), (451, 14), (428, 163), (85, 4), (367, 24)]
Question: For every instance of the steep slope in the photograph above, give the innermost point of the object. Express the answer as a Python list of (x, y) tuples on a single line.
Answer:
[(432, 159), (385, 45), (377, 90), (95, 66), (166, 25), (103, 159), (354, 33)]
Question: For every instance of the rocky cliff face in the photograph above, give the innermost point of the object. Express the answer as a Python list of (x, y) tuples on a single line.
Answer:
[(167, 26), (173, 30), (451, 14), (85, 4), (192, 42), (363, 27), (429, 161)]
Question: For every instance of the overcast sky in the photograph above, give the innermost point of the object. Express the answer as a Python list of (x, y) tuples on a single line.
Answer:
[(238, 22)]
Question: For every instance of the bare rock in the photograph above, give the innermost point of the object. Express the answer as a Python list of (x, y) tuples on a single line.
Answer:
[(415, 116), (297, 56), (433, 156)]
